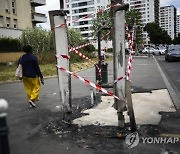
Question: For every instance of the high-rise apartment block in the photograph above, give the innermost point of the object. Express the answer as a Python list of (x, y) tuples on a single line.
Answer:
[(177, 25), (149, 9), (17, 15), (82, 8), (168, 20)]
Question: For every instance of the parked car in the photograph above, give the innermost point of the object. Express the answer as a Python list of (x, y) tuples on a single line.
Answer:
[(154, 50), (162, 50), (172, 53), (150, 50)]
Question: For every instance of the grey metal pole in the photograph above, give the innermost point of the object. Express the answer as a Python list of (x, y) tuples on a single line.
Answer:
[(61, 4), (99, 57), (4, 142)]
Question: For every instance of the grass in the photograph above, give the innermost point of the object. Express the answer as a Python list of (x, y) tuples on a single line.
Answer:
[(7, 71)]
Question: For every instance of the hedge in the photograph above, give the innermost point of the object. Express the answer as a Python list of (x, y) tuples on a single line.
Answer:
[(9, 44)]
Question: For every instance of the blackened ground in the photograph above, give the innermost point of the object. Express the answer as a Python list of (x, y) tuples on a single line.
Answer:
[(95, 137)]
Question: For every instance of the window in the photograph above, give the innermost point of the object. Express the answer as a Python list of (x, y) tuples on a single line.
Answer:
[(8, 22), (1, 21), (13, 6), (7, 6), (15, 23)]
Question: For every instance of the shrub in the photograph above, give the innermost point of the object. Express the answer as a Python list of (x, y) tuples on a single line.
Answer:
[(9, 44)]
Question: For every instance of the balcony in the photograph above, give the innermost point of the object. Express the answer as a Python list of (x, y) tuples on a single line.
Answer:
[(38, 2), (38, 18)]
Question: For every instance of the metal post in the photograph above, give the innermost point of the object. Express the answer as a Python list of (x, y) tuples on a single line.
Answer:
[(99, 57), (57, 18), (4, 143), (61, 4), (119, 59)]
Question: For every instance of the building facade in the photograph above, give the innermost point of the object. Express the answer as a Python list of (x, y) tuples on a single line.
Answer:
[(17, 15), (149, 10), (168, 20), (82, 8), (177, 25)]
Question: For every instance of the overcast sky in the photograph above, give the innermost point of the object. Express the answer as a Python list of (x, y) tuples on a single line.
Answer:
[(54, 5)]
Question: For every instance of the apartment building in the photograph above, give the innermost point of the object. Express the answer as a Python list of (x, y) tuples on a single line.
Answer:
[(168, 20), (81, 8), (149, 10), (177, 25), (17, 15)]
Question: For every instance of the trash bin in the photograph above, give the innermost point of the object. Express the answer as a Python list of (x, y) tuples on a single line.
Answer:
[(104, 73)]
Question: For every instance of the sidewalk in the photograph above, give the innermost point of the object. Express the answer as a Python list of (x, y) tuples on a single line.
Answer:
[(42, 131)]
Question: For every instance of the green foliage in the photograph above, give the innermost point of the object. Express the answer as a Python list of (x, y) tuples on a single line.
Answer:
[(177, 39), (38, 38), (103, 20), (9, 44), (156, 34), (133, 19), (74, 37)]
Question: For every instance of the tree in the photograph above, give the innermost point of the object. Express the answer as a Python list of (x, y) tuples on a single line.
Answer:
[(133, 19), (177, 39), (102, 20), (74, 37), (38, 38), (156, 34)]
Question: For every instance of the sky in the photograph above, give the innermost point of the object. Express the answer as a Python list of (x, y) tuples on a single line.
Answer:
[(54, 5)]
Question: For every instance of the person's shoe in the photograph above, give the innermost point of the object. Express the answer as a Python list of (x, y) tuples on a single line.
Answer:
[(32, 103)]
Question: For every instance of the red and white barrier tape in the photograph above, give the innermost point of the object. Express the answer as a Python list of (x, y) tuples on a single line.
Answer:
[(84, 45), (90, 60), (91, 84), (119, 79), (130, 39), (89, 15)]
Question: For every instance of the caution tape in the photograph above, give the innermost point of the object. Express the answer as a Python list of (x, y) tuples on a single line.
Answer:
[(130, 39), (87, 16), (90, 43), (98, 87)]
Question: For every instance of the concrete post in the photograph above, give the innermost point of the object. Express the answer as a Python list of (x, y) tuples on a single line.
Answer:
[(4, 143), (119, 59), (57, 18)]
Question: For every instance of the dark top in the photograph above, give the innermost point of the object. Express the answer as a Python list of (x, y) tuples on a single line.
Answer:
[(30, 66)]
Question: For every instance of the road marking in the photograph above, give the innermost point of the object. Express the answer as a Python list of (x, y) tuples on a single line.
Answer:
[(170, 135)]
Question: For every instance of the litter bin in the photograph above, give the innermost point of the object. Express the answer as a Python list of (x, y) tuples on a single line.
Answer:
[(104, 73)]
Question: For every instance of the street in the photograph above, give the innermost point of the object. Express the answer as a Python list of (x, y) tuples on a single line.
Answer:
[(172, 71), (41, 130)]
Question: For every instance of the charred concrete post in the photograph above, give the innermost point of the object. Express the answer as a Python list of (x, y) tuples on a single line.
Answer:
[(4, 142), (119, 59), (59, 29)]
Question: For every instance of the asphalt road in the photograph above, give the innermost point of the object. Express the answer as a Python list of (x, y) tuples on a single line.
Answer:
[(172, 72), (40, 130)]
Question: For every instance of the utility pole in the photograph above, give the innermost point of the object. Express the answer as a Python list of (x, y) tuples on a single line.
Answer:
[(118, 21), (57, 21)]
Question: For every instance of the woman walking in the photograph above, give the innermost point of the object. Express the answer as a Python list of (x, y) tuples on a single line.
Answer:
[(32, 75)]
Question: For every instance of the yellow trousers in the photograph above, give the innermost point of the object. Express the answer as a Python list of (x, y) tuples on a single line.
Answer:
[(32, 87)]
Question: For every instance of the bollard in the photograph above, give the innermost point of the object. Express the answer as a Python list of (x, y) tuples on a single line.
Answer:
[(4, 143)]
